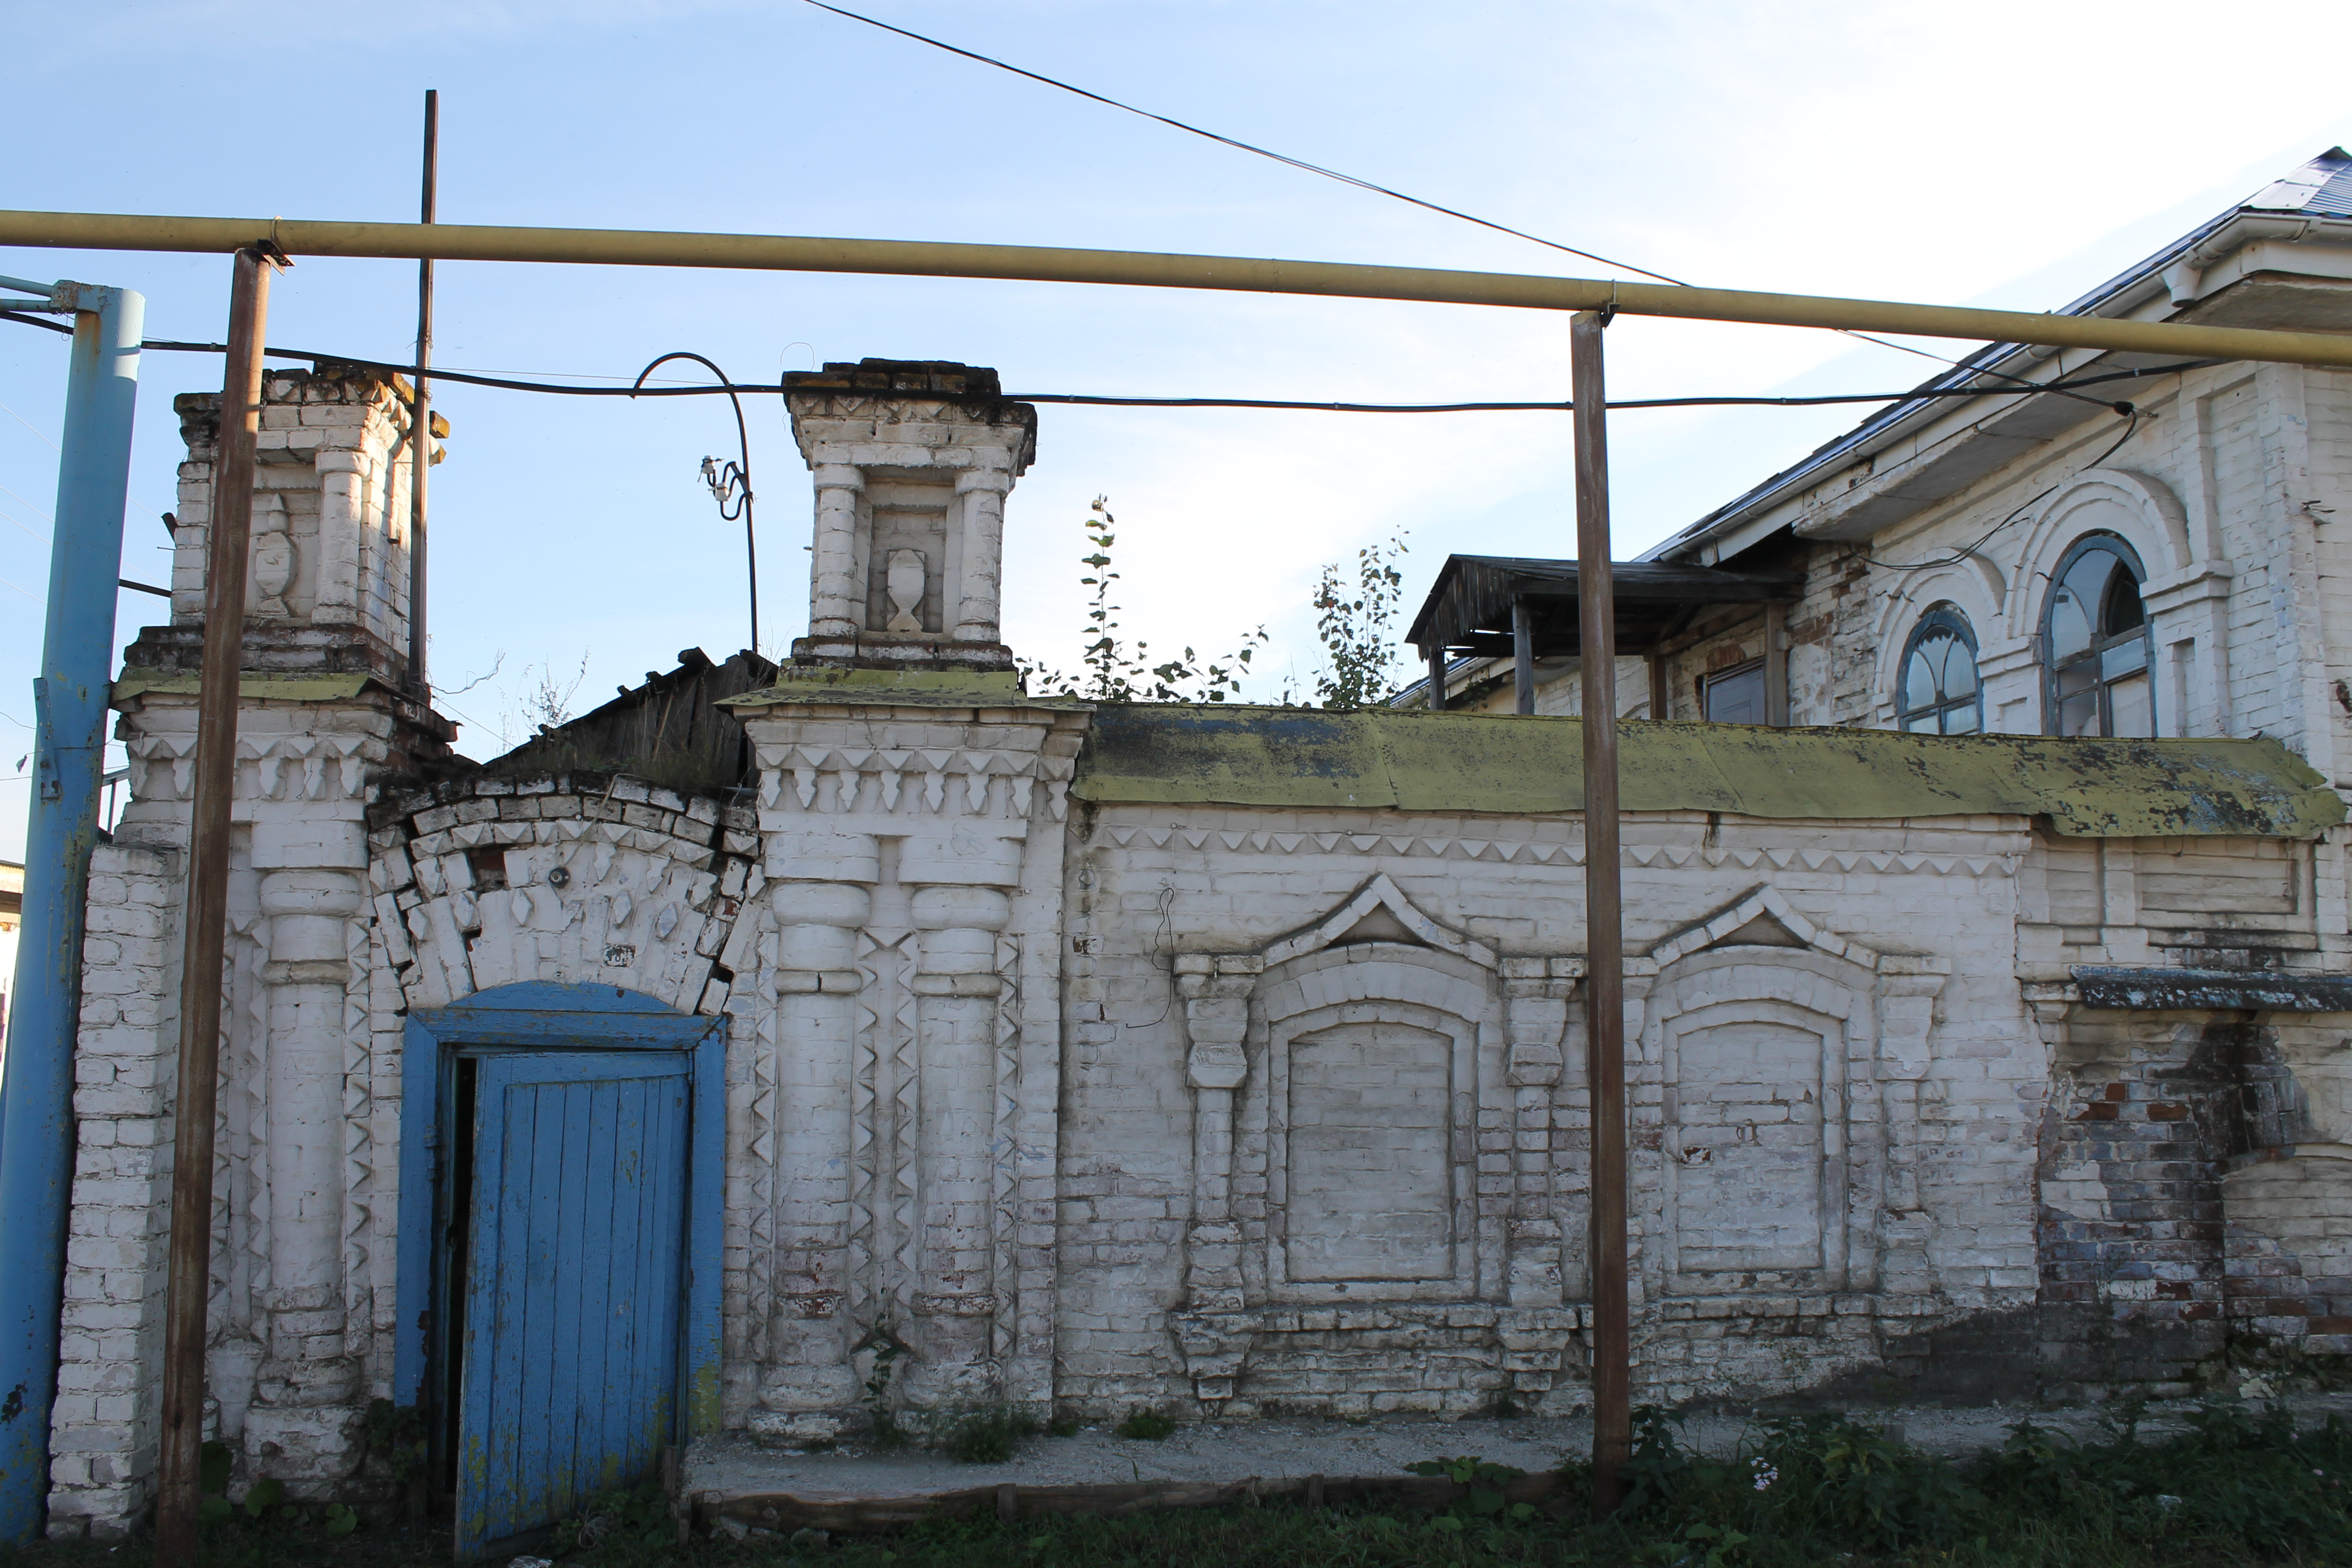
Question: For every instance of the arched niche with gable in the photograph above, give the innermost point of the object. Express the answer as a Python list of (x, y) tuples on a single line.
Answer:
[(1345, 1078), (1789, 1061)]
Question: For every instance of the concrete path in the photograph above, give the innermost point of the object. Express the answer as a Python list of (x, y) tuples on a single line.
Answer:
[(736, 1467)]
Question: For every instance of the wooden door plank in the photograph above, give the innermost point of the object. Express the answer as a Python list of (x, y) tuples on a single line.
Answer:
[(478, 1374), (595, 1425), (535, 1485), (575, 1300)]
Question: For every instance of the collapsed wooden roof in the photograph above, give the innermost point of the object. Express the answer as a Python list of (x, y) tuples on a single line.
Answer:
[(1469, 607)]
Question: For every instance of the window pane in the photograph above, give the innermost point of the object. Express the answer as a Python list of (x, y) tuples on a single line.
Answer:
[(2070, 620), (2087, 578), (1959, 671), (1737, 697), (2121, 610), (1921, 723), (1960, 719), (1919, 676), (2132, 702), (2124, 659), (2079, 715)]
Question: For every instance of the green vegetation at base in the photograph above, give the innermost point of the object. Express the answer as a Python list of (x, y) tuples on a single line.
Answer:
[(1144, 1425), (2238, 1487)]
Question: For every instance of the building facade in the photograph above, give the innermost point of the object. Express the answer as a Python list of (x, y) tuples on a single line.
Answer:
[(942, 1046)]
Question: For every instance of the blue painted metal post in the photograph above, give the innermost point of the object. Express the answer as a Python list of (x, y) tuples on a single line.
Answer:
[(70, 706)]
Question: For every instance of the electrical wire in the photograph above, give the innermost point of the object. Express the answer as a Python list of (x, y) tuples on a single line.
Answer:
[(28, 532), (1955, 557), (38, 433), (29, 506), (2065, 387), (1347, 179), (1252, 147)]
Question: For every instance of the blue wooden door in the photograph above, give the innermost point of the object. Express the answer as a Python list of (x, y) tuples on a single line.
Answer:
[(574, 1270)]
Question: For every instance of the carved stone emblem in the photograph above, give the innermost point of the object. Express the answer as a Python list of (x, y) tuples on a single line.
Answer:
[(273, 559), (904, 584)]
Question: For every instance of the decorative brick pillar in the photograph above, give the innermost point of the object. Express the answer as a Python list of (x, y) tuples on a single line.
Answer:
[(817, 982), (957, 993), (837, 604), (1216, 990), (981, 494), (301, 1424)]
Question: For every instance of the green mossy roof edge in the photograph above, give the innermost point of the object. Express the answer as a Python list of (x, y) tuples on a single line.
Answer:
[(1410, 760), (895, 688)]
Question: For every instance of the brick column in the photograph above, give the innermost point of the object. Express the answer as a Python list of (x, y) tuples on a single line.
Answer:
[(957, 992), (1907, 989), (1535, 1029), (1211, 1330), (299, 1427), (836, 598), (816, 984), (102, 1428), (979, 494)]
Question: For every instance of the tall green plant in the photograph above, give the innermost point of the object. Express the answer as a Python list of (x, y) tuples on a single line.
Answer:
[(1109, 672), (1357, 628)]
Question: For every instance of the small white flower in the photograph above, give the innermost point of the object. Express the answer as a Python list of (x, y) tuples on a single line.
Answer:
[(2168, 1502)]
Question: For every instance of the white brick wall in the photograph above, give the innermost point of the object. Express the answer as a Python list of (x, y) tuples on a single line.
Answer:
[(1220, 1108), (102, 1428)]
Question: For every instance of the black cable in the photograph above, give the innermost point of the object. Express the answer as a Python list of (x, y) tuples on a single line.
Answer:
[(1252, 147), (2061, 387), (1350, 179), (1965, 550), (506, 384)]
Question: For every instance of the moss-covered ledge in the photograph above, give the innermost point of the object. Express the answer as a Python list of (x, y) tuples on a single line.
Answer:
[(1414, 760)]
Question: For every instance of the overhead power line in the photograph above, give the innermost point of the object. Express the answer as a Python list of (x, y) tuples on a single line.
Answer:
[(1345, 179), (2066, 388)]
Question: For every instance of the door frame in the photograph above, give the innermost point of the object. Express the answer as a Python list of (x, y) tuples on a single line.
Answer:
[(568, 1018)]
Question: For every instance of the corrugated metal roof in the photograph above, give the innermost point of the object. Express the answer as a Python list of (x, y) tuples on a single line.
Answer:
[(2320, 188)]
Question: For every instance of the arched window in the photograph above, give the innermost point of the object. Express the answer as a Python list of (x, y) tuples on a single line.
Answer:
[(1937, 695), (2095, 640)]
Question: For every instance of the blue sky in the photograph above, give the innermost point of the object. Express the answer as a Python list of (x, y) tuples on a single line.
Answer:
[(2001, 154)]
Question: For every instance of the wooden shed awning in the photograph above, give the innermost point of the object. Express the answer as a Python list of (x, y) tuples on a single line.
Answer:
[(1469, 607)]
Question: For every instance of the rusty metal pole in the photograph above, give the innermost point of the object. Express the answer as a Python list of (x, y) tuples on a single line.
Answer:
[(420, 423), (189, 1280), (1604, 933)]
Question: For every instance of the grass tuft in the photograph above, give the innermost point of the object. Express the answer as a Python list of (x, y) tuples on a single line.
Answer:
[(987, 1436), (1145, 1425)]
